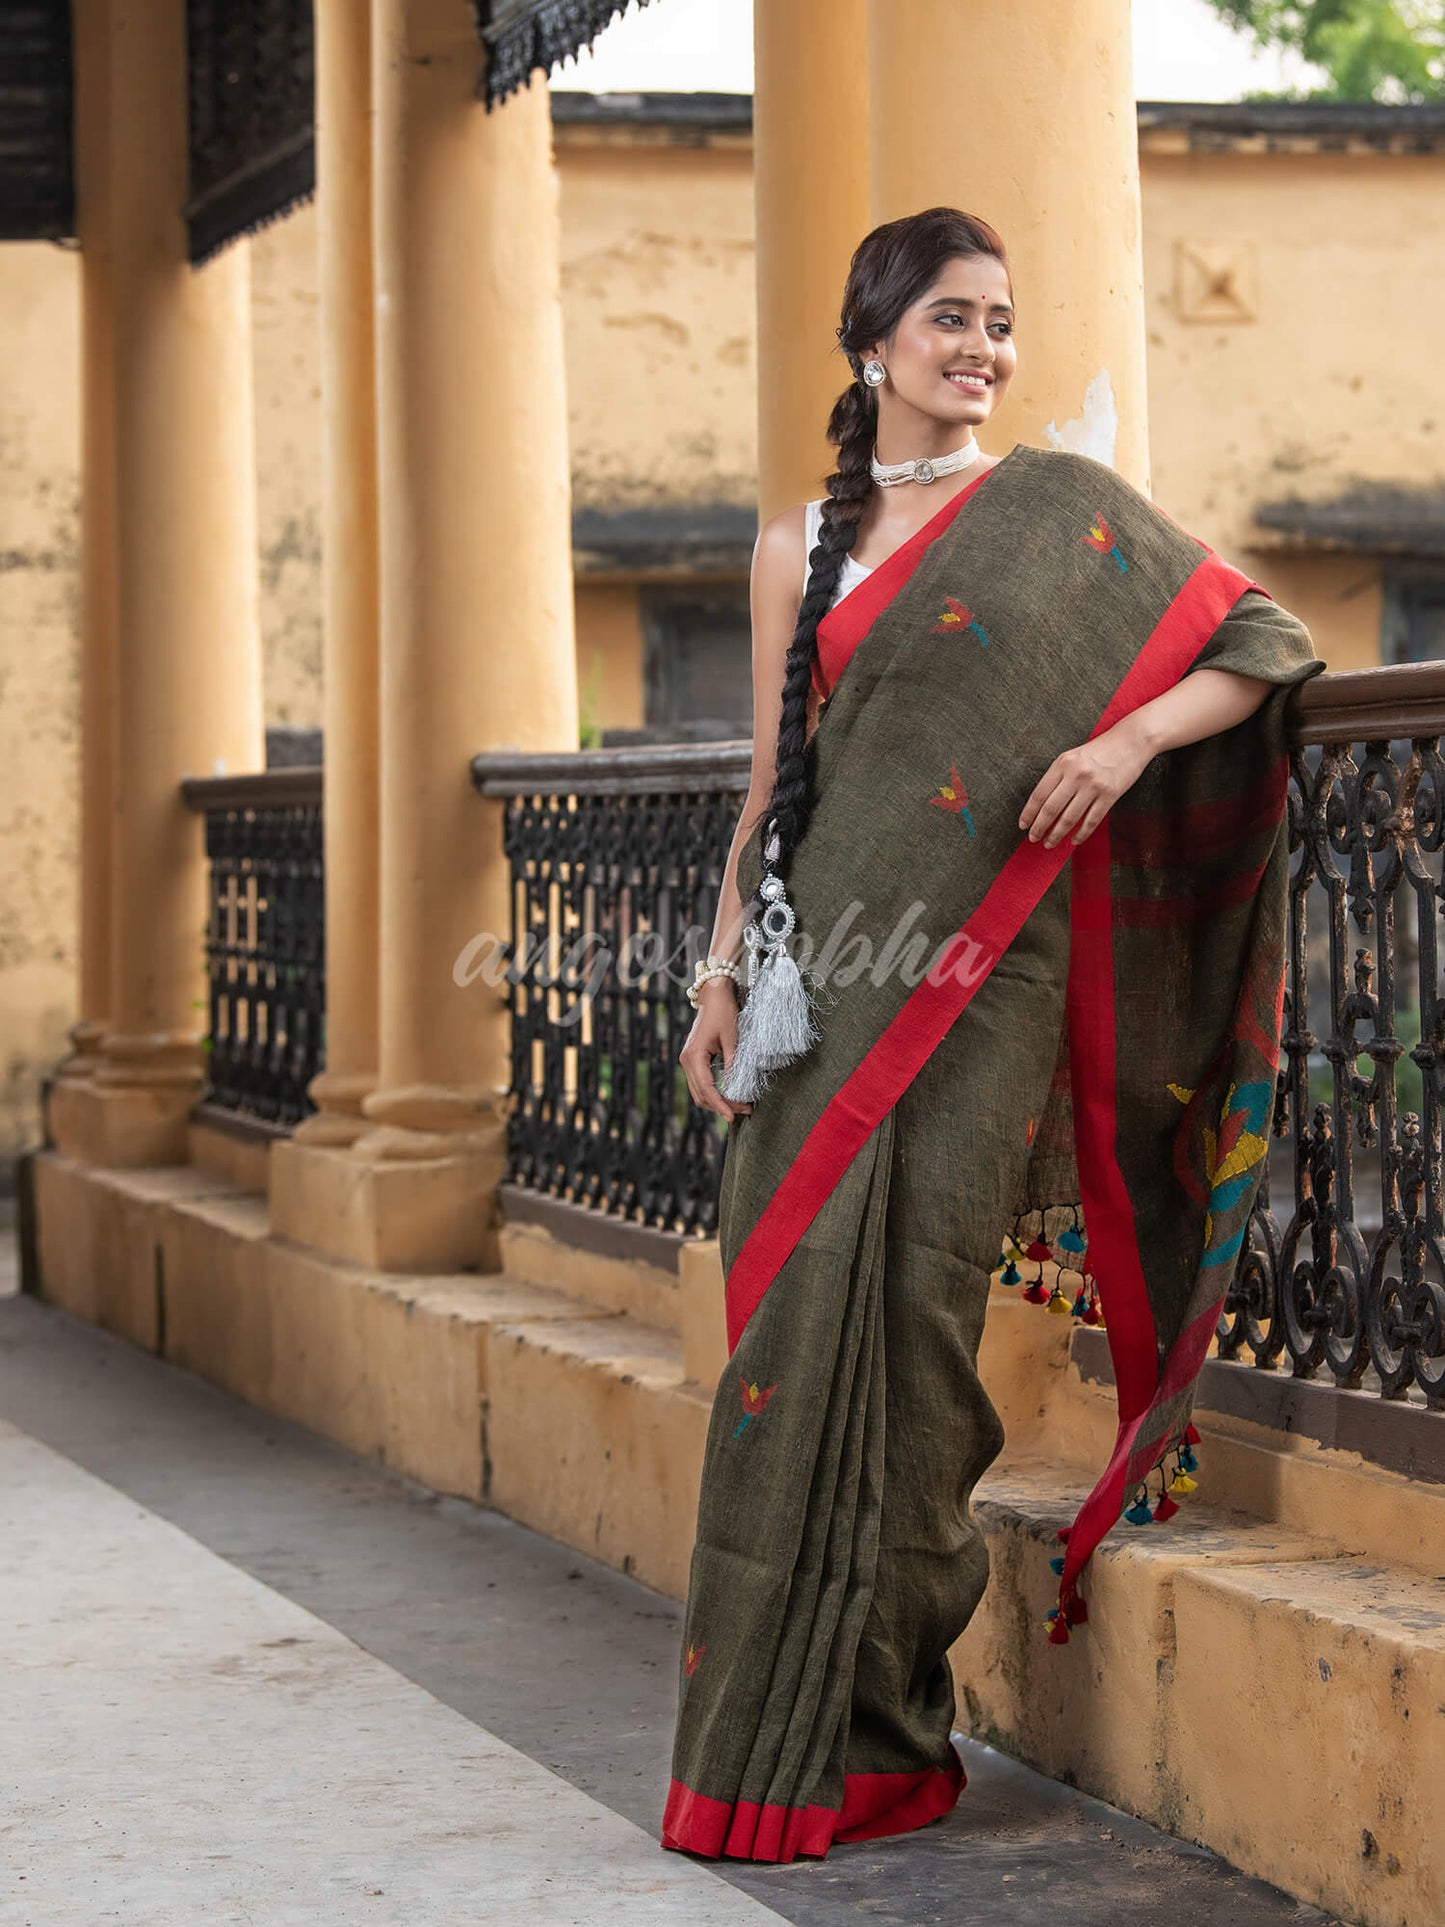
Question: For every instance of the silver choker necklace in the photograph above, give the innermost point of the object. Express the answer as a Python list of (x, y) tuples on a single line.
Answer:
[(889, 474)]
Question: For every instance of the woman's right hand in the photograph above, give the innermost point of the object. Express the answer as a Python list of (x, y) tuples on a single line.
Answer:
[(714, 1033)]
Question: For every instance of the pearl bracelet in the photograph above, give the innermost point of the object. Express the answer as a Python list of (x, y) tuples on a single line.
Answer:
[(705, 971)]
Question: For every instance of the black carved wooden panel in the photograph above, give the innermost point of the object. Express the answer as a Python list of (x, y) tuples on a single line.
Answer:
[(252, 105)]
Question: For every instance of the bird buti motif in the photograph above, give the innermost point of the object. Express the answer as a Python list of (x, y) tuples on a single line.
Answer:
[(756, 1400), (956, 620), (1101, 537), (953, 796), (691, 1660)]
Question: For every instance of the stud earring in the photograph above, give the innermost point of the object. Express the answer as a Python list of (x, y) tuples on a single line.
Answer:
[(874, 373)]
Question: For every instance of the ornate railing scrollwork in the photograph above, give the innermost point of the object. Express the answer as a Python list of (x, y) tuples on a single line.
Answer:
[(265, 942), (616, 858), (1351, 1279)]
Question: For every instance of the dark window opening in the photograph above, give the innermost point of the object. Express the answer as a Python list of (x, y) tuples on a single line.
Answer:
[(1423, 627), (1413, 616)]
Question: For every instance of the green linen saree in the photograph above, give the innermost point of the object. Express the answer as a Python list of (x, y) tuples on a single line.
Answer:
[(1088, 1035)]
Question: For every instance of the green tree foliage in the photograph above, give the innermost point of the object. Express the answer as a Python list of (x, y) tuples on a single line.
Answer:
[(1387, 50)]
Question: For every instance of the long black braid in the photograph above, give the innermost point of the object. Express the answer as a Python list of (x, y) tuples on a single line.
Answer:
[(852, 428), (892, 268)]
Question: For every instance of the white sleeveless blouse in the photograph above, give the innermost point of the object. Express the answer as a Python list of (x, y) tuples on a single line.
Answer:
[(852, 572)]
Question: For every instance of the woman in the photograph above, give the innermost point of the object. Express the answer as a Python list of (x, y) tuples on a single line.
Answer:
[(1028, 1012)]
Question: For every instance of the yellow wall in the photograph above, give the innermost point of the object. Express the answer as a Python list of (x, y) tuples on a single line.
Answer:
[(287, 351), (657, 295), (1329, 376), (39, 668), (609, 658)]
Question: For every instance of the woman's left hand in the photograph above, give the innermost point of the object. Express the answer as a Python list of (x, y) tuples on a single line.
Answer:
[(1077, 790)]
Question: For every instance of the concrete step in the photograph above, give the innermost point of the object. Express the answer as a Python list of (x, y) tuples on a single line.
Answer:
[(649, 1291), (556, 1655), (1259, 1689), (1264, 1674), (101, 1237), (679, 1289), (594, 1435)]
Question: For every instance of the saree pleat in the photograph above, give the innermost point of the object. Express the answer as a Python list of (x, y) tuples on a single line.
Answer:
[(779, 1710), (833, 1580), (943, 1433), (1036, 1050)]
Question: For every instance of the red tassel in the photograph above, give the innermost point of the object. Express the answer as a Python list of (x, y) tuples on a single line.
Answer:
[(1037, 1292), (1166, 1508), (1039, 1252), (1191, 1435), (1059, 1632)]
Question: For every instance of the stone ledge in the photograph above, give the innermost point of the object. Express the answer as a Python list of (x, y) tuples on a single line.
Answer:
[(595, 1437), (1195, 1629), (540, 1249), (1336, 1793), (239, 1157), (588, 1230), (589, 1425), (1266, 1473), (98, 1252), (1398, 1435)]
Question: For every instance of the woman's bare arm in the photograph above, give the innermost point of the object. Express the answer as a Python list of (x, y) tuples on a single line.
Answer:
[(1077, 790), (776, 589)]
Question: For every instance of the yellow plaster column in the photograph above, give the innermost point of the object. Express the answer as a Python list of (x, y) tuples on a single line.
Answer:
[(188, 677), (1025, 115), (477, 648), (90, 26), (810, 160), (349, 569)]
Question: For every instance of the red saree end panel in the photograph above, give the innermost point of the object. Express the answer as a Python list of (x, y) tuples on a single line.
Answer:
[(874, 1805)]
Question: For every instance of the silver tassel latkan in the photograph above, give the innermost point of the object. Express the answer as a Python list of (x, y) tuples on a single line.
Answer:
[(776, 1023)]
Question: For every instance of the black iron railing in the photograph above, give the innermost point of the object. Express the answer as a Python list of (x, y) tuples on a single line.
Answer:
[(615, 859), (1345, 1269), (265, 942), (1344, 1272), (615, 862)]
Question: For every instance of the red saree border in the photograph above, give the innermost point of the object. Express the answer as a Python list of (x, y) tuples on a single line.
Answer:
[(964, 963), (1114, 1254), (1091, 943), (874, 1805), (1104, 1503), (849, 620)]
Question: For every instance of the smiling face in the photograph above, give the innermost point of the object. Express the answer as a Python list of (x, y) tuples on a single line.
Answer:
[(952, 355)]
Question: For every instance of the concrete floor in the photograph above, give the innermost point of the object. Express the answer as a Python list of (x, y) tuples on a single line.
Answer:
[(230, 1638)]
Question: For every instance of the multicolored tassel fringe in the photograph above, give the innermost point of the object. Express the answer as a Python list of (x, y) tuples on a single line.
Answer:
[(1072, 1611), (1067, 1252)]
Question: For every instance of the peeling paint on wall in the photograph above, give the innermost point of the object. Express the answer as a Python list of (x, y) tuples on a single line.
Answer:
[(1096, 431)]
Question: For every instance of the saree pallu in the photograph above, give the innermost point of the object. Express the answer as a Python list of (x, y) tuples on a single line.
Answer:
[(1005, 1030)]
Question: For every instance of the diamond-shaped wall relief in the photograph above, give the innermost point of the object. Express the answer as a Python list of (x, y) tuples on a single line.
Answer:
[(1215, 281)]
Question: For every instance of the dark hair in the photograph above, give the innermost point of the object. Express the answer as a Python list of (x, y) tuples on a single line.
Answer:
[(892, 267)]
